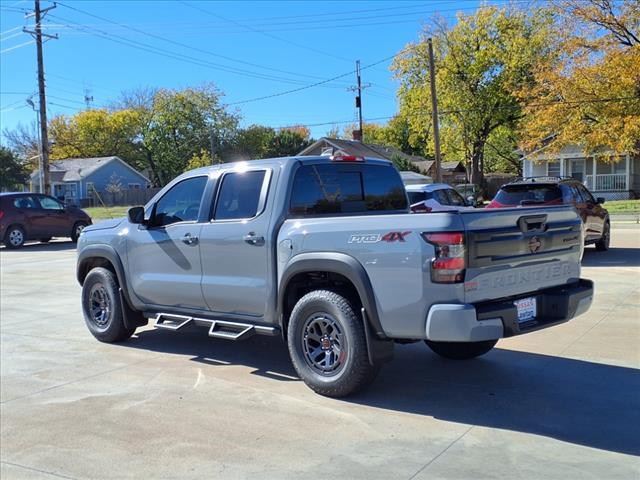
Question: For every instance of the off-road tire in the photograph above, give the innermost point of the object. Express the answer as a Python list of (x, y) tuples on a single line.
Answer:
[(355, 372), (14, 237), (602, 245), (75, 231), (113, 328), (461, 350)]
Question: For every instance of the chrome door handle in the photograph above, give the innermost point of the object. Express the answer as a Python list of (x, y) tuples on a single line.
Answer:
[(189, 240), (252, 239)]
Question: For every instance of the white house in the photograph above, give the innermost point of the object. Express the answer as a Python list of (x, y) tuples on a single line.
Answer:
[(608, 176)]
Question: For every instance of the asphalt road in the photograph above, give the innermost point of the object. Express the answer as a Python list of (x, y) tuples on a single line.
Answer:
[(560, 403)]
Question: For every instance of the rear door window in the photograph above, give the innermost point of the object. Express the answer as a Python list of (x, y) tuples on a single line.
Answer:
[(441, 197), (528, 194), (585, 194), (415, 197), (455, 198), (239, 195), (346, 189), (24, 202)]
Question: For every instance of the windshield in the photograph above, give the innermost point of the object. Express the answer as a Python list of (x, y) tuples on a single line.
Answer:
[(528, 194)]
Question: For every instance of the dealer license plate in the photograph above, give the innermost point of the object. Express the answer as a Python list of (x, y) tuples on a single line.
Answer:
[(526, 309)]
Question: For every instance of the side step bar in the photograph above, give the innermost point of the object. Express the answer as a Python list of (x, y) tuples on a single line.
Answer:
[(217, 328)]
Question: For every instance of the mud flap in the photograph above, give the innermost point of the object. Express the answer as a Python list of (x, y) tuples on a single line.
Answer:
[(379, 351), (132, 318)]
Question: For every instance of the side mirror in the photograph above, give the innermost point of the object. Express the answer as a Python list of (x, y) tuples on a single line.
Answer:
[(136, 215), (600, 200)]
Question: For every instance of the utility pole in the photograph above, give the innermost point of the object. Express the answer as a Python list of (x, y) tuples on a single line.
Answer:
[(359, 134), (434, 110), (44, 138)]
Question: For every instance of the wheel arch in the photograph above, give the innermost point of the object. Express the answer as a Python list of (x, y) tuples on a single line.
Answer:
[(101, 256), (105, 256), (336, 266)]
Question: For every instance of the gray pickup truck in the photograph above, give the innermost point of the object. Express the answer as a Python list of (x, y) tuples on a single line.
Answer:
[(324, 252)]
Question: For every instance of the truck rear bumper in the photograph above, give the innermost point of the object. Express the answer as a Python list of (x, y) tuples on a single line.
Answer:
[(499, 319)]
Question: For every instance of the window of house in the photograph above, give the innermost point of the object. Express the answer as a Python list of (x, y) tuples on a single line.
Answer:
[(239, 195), (181, 203), (553, 168)]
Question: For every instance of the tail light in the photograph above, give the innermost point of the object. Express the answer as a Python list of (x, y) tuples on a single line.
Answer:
[(1, 214), (420, 208), (346, 158), (449, 263)]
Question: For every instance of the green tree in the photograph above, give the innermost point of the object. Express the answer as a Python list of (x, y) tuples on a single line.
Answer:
[(174, 126), (13, 172), (250, 143), (288, 142), (403, 164), (479, 62)]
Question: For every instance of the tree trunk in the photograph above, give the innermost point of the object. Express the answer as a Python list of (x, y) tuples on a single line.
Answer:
[(159, 181), (477, 163)]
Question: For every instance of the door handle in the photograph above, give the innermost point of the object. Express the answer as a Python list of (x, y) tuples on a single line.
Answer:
[(252, 239), (189, 240)]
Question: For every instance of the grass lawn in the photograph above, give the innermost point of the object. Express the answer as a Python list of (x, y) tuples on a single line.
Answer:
[(623, 206), (103, 213)]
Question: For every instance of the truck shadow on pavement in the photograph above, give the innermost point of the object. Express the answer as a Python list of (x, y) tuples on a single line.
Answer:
[(614, 257), (576, 401)]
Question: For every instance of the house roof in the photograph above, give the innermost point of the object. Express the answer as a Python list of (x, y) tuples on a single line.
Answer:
[(75, 169), (360, 149)]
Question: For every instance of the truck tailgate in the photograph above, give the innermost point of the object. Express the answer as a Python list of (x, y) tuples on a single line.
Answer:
[(519, 250)]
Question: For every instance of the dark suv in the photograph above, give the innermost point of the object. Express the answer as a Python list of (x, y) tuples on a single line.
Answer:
[(33, 216), (537, 191)]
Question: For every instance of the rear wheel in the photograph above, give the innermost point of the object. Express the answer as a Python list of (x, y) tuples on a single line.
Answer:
[(461, 350), (77, 230), (602, 245), (14, 237), (102, 308), (327, 345)]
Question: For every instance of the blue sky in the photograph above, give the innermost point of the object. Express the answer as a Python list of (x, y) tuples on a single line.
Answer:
[(248, 49)]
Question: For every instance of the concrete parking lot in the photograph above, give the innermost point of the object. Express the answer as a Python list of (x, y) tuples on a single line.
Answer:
[(561, 403)]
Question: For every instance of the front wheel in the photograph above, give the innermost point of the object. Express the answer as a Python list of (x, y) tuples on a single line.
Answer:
[(461, 350), (602, 245), (15, 237), (327, 345), (102, 308)]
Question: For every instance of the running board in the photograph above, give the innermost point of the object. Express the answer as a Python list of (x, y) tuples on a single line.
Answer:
[(217, 328)]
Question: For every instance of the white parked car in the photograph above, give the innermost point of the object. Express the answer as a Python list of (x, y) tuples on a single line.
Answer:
[(435, 197)]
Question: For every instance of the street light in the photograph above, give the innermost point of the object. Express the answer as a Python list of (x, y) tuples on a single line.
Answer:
[(40, 165)]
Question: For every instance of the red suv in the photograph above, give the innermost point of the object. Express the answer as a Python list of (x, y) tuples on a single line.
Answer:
[(536, 191), (33, 216)]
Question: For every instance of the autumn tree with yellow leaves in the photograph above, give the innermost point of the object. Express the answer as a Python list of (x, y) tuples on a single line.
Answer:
[(588, 93)]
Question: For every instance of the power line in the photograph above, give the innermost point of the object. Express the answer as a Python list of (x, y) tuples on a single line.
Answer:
[(180, 57), (184, 45), (266, 34), (15, 47), (286, 92), (450, 112)]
